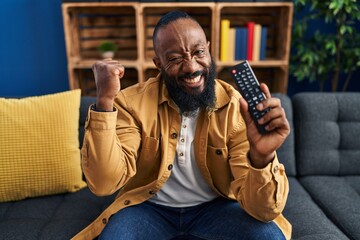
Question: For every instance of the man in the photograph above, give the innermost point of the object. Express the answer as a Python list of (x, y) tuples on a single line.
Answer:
[(183, 150)]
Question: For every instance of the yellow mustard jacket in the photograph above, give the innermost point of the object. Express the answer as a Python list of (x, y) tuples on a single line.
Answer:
[(133, 149)]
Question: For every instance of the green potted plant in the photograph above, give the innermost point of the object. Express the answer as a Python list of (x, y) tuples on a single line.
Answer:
[(107, 49), (319, 55)]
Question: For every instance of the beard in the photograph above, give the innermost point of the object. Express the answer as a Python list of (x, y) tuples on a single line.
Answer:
[(188, 102)]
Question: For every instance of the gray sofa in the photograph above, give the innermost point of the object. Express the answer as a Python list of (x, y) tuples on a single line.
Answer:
[(322, 160)]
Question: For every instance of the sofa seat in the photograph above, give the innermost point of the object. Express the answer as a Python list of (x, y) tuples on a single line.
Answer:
[(307, 218), (339, 198), (50, 217)]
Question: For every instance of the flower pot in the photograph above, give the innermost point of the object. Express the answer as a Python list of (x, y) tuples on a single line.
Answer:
[(108, 54)]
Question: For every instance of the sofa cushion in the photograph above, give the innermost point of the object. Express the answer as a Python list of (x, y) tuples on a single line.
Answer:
[(53, 217), (327, 133), (308, 221), (339, 197), (39, 146)]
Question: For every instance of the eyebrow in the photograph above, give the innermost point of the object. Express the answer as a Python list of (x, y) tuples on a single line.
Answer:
[(176, 52)]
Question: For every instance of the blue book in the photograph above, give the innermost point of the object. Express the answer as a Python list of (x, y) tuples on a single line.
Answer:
[(263, 43), (241, 43)]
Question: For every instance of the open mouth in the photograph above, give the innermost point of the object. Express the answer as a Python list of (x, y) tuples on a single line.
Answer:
[(193, 80)]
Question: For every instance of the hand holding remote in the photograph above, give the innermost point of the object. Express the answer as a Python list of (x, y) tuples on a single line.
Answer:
[(267, 126)]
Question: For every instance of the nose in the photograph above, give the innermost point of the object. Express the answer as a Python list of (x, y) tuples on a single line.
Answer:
[(190, 66)]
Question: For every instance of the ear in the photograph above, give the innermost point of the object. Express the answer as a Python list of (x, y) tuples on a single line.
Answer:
[(208, 45), (156, 61)]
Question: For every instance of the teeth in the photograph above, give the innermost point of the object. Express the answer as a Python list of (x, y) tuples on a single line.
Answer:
[(192, 80)]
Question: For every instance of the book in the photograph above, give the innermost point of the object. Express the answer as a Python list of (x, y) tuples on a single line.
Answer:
[(231, 49), (224, 40), (250, 40), (241, 43), (263, 43), (256, 42)]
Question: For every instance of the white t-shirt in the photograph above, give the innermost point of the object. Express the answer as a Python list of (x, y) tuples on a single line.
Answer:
[(186, 186)]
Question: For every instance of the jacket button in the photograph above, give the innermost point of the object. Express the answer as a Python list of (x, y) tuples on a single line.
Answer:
[(170, 167), (174, 135), (104, 221), (127, 202), (218, 152), (151, 192)]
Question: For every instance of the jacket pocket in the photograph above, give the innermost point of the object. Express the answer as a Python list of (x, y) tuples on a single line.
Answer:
[(148, 162), (218, 165), (217, 153), (149, 143)]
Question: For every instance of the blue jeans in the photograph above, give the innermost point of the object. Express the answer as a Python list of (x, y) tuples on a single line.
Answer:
[(220, 219)]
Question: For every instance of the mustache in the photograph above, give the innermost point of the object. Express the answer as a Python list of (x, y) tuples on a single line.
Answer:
[(191, 75)]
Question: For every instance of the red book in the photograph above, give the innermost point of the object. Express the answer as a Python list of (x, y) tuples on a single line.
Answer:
[(250, 26)]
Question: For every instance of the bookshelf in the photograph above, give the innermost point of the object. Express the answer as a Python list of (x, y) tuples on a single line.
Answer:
[(130, 26)]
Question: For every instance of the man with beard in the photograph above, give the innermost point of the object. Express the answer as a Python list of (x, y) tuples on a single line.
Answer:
[(182, 149)]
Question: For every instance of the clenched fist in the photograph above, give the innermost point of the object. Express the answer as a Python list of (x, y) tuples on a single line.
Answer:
[(107, 74)]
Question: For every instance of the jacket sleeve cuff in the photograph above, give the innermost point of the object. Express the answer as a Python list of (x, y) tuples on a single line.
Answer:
[(101, 120), (267, 173)]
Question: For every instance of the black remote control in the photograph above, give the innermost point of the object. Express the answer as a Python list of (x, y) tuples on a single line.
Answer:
[(249, 88)]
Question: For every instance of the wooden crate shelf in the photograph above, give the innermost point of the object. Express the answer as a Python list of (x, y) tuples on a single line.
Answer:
[(130, 25)]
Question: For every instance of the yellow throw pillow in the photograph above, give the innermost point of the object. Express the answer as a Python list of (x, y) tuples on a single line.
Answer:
[(39, 146)]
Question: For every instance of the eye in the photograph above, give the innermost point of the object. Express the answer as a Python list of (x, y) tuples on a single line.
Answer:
[(175, 59), (200, 52)]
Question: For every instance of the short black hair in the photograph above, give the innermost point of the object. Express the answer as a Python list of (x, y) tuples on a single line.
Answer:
[(169, 18)]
